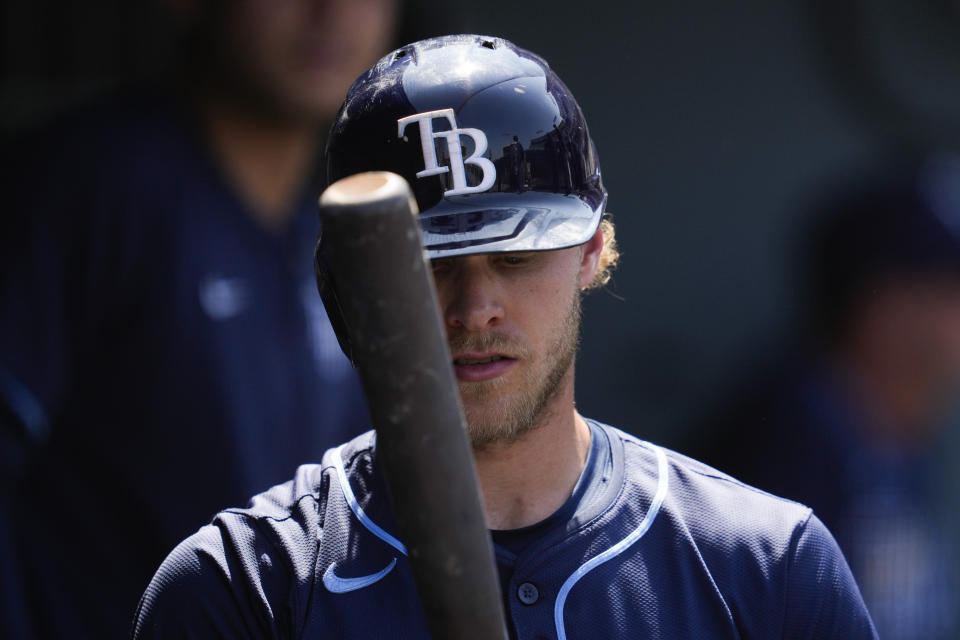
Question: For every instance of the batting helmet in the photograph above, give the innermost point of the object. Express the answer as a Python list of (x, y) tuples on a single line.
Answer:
[(492, 142)]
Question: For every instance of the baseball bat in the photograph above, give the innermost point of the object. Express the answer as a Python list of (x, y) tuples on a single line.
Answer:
[(378, 288)]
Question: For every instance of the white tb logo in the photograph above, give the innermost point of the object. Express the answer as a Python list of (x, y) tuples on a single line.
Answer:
[(457, 161)]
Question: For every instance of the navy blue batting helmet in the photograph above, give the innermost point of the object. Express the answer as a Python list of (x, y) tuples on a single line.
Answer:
[(492, 142)]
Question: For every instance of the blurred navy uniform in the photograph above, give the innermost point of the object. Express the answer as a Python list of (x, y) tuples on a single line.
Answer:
[(854, 422), (160, 355)]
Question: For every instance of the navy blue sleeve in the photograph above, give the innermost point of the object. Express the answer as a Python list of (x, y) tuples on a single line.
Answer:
[(225, 581), (194, 594), (249, 574), (823, 600)]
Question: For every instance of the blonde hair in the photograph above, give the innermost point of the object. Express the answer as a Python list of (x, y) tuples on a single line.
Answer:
[(609, 255)]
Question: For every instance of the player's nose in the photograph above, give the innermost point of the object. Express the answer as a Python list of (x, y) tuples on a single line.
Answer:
[(471, 298)]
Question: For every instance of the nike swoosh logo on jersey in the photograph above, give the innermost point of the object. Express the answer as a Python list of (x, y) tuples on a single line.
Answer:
[(336, 584), (224, 298)]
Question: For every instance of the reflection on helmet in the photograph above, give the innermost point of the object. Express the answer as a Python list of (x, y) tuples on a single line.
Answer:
[(493, 144)]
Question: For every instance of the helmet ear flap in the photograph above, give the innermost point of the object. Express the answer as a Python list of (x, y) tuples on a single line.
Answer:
[(328, 294)]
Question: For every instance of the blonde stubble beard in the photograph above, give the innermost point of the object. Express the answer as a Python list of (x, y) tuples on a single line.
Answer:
[(506, 416)]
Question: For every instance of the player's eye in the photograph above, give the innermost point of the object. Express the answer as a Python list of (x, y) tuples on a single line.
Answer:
[(515, 259), (440, 265)]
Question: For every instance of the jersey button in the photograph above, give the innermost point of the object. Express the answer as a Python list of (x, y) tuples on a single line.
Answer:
[(528, 593)]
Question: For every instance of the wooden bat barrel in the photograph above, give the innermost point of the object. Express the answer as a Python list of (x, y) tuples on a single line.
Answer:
[(378, 289)]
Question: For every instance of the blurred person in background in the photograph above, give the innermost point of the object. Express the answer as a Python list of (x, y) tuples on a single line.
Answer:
[(855, 421), (159, 310)]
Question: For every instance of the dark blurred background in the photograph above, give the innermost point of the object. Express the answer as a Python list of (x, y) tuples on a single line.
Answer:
[(716, 128), (719, 129), (714, 125)]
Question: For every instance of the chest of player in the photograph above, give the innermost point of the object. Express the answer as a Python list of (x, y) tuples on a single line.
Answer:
[(656, 588), (628, 598)]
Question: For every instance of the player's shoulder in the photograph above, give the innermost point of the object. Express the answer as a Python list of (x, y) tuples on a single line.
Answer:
[(715, 506), (111, 125), (773, 562), (285, 517), (125, 154), (296, 499), (254, 563)]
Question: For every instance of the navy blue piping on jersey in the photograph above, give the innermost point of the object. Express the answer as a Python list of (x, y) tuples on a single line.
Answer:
[(582, 570), (618, 548)]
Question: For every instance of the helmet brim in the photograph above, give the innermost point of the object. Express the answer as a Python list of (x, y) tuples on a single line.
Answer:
[(497, 222)]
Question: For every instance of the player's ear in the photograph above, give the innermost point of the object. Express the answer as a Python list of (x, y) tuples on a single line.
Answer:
[(590, 258)]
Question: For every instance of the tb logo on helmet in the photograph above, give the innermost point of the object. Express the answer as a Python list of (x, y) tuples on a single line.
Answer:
[(457, 161)]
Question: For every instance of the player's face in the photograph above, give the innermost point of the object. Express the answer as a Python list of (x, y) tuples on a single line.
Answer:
[(298, 57), (513, 321)]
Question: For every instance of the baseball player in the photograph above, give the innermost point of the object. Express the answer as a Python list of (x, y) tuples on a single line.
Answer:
[(597, 534)]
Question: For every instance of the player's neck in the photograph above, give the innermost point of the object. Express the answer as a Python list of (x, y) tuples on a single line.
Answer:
[(525, 481), (267, 162)]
